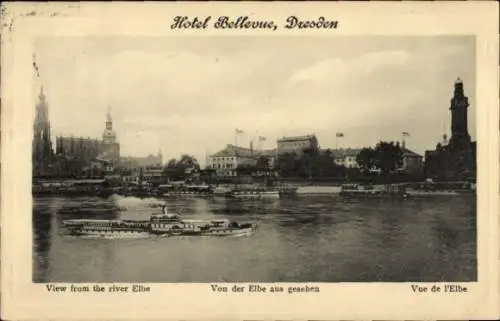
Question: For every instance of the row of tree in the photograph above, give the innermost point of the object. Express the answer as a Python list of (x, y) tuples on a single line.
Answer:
[(386, 156), (182, 168)]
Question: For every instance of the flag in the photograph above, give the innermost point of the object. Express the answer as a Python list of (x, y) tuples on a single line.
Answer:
[(406, 134), (239, 131), (340, 135), (262, 138)]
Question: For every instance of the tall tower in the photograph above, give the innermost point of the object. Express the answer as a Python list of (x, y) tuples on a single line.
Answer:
[(160, 157), (460, 138), (109, 135), (110, 147), (42, 144)]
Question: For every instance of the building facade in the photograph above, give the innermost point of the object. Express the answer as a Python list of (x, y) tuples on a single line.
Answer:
[(78, 147), (297, 144), (136, 162), (227, 161), (87, 149), (346, 157), (412, 162)]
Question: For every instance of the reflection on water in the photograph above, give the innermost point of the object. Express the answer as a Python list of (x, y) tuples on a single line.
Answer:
[(303, 239)]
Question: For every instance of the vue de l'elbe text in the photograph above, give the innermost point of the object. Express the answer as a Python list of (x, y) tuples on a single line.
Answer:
[(247, 23)]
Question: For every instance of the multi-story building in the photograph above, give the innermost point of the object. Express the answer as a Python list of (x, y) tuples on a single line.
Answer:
[(153, 174), (297, 144), (412, 162), (136, 162), (227, 161), (78, 147), (346, 157)]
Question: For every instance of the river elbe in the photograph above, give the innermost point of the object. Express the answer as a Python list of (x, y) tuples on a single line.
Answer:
[(301, 239)]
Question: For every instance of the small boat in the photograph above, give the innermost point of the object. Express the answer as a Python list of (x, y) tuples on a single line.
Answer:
[(254, 193), (190, 191), (416, 192), (228, 228), (381, 191)]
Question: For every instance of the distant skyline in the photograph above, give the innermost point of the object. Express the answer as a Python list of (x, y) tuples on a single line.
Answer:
[(189, 94)]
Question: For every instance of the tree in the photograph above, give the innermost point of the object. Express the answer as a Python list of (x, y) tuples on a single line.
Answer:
[(286, 164), (367, 158), (188, 161), (389, 156), (177, 169)]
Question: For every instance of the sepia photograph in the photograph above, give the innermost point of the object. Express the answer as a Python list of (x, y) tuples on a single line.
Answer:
[(209, 159), (250, 161)]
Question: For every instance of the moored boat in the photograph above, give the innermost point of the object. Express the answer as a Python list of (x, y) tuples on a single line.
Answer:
[(381, 191), (433, 193), (254, 193)]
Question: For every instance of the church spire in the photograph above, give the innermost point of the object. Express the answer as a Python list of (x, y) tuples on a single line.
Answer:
[(109, 119), (42, 143), (160, 156), (108, 116)]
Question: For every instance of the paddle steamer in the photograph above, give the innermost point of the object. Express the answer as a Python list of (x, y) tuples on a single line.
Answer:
[(165, 224)]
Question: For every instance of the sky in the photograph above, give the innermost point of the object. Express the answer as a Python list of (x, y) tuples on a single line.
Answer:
[(189, 94)]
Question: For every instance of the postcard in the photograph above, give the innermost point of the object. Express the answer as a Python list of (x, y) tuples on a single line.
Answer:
[(250, 161)]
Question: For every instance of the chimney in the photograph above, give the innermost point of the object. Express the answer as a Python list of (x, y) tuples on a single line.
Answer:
[(403, 145)]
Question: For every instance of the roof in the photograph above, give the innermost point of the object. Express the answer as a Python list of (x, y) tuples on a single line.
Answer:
[(100, 160), (409, 153), (343, 152), (266, 152), (297, 138), (232, 150)]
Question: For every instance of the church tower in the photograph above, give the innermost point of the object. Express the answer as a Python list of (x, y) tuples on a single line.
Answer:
[(42, 144), (160, 157), (460, 138), (110, 146), (109, 135)]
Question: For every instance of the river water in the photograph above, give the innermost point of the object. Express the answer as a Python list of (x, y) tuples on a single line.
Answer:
[(301, 239)]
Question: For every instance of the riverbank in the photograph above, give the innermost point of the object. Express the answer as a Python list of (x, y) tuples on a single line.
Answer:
[(97, 188)]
